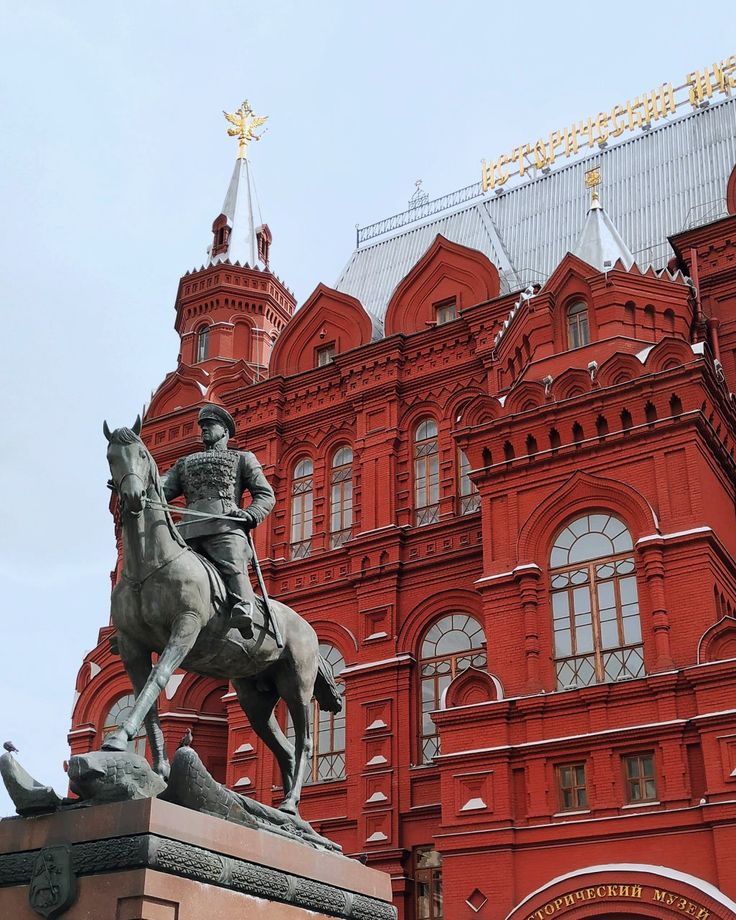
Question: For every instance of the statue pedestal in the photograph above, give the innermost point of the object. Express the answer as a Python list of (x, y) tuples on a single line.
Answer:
[(150, 860)]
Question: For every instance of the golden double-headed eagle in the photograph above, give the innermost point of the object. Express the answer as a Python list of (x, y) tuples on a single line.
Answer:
[(245, 123)]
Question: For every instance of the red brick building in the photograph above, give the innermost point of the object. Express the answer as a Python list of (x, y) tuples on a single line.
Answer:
[(506, 502)]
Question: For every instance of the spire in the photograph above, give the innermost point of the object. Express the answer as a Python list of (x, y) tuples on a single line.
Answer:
[(236, 238), (600, 244)]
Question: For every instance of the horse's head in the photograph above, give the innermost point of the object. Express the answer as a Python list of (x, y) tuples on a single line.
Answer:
[(130, 465)]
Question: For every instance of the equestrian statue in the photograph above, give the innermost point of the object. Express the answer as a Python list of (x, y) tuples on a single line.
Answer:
[(184, 593)]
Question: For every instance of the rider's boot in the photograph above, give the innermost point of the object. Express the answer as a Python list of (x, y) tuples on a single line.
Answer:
[(241, 613)]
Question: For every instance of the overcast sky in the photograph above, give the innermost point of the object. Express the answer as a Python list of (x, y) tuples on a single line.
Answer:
[(114, 160)]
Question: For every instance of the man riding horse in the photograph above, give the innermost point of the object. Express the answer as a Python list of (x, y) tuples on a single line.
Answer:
[(213, 482)]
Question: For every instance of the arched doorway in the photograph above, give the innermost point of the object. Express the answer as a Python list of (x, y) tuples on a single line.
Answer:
[(625, 890)]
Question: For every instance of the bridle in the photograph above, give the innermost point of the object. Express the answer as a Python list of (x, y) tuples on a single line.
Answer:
[(118, 486)]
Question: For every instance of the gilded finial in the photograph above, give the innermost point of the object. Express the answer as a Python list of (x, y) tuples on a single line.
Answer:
[(592, 181), (245, 122)]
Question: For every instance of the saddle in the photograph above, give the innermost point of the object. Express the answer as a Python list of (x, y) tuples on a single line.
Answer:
[(221, 599)]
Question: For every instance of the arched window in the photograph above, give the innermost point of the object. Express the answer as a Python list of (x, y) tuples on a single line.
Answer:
[(451, 645), (469, 495), (301, 509), (328, 729), (577, 325), (426, 473), (117, 714), (203, 337), (595, 608), (341, 497)]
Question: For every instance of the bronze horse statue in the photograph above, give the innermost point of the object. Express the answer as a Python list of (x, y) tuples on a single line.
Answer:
[(169, 601)]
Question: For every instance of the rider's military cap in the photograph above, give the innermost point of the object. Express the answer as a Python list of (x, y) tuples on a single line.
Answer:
[(217, 414)]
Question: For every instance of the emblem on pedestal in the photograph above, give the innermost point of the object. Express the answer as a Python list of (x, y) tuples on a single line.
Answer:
[(53, 885)]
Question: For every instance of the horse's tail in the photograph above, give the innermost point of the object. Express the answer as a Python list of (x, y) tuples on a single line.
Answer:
[(326, 691)]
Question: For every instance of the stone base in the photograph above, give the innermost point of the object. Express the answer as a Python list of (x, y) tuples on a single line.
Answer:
[(151, 860)]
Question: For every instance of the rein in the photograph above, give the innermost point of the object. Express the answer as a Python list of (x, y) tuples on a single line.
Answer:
[(200, 514), (138, 582)]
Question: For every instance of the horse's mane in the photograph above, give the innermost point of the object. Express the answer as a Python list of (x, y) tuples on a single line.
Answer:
[(128, 436)]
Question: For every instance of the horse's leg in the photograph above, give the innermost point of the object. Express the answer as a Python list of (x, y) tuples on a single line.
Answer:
[(258, 705), (184, 632), (137, 661), (296, 689)]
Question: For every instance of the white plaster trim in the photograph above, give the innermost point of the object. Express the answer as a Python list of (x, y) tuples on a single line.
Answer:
[(698, 348), (640, 805), (476, 804), (650, 538), (94, 669), (192, 716), (698, 884), (518, 568), (545, 741), (82, 731), (374, 664)]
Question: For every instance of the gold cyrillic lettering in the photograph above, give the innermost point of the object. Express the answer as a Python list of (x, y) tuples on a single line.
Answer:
[(601, 891), (670, 899), (636, 891), (729, 68), (623, 891), (601, 126), (569, 900), (633, 111), (550, 911), (556, 139), (540, 154), (681, 903), (698, 88), (585, 129), (618, 126), (703, 914), (590, 892), (612, 891), (658, 895), (518, 155), (719, 78), (570, 136), (580, 894)]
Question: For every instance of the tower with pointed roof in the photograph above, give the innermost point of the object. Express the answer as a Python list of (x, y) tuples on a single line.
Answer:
[(233, 308)]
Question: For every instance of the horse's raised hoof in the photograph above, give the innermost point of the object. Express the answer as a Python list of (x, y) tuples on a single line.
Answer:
[(115, 742)]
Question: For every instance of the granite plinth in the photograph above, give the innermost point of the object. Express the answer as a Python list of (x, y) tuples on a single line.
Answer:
[(151, 860)]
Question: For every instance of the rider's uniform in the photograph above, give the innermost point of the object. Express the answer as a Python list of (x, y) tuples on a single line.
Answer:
[(213, 482)]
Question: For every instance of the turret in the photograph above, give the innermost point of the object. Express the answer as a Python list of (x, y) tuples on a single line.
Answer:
[(600, 244), (234, 307)]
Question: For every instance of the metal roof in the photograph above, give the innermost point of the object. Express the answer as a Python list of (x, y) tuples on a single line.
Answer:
[(600, 243), (242, 246), (653, 185)]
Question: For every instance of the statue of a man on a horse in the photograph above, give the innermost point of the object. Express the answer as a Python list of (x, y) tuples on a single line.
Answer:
[(169, 601), (213, 482)]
